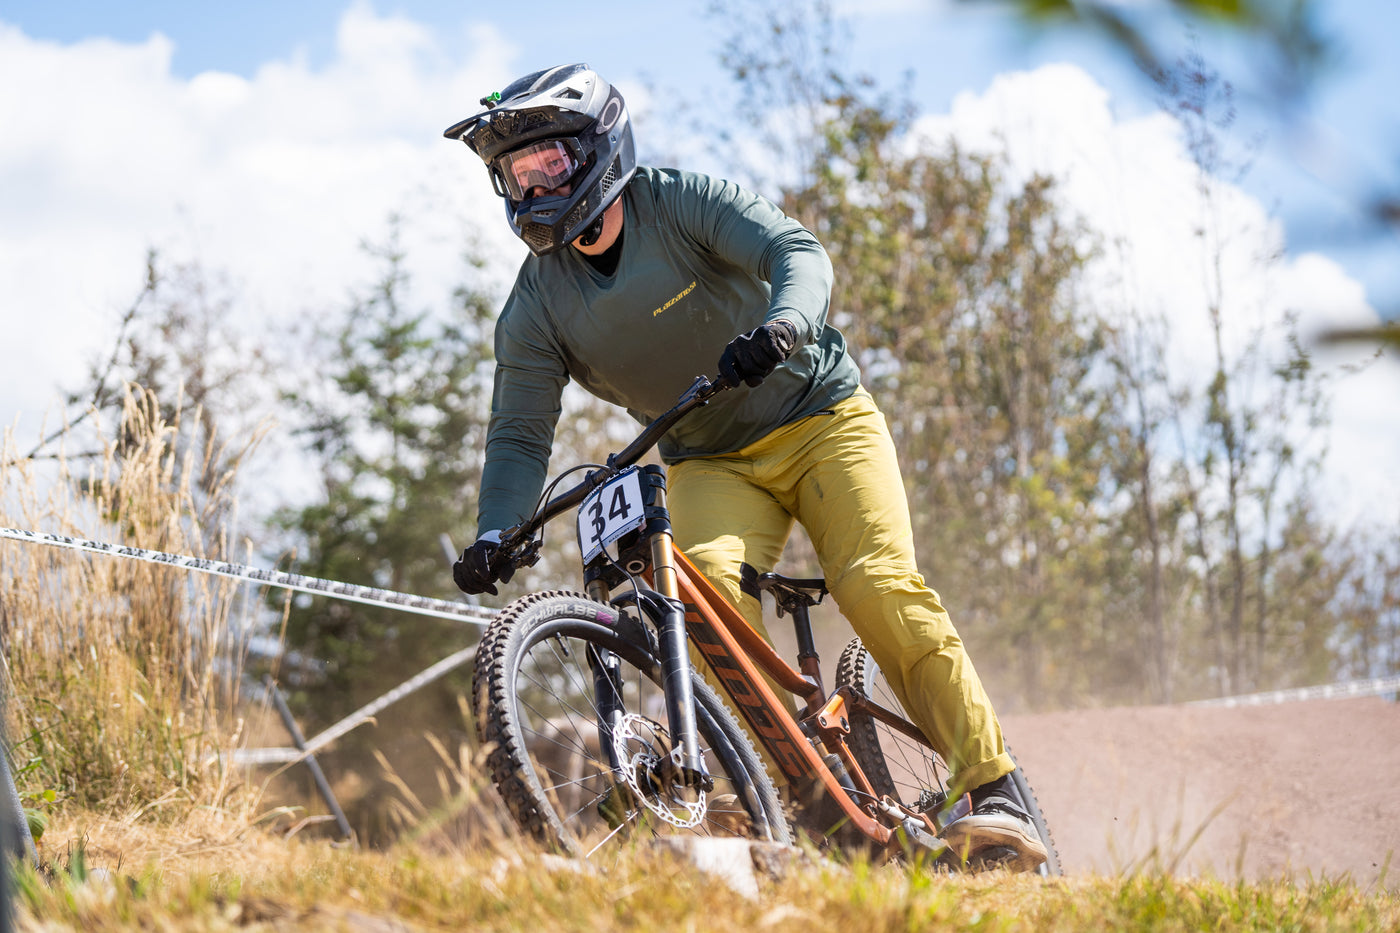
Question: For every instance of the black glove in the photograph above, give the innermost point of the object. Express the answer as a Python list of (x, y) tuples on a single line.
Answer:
[(753, 356), (473, 572)]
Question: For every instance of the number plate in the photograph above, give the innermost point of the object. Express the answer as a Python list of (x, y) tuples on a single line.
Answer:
[(609, 512)]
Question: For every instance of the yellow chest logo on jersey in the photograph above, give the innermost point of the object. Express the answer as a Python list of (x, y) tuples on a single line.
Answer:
[(685, 291)]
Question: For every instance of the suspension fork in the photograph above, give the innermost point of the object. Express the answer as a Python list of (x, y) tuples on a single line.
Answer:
[(675, 652), (607, 680)]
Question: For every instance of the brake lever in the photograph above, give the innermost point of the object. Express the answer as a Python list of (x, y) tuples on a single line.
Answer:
[(705, 388), (529, 555), (516, 549)]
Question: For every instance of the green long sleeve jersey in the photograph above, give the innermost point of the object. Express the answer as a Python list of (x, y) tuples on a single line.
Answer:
[(702, 261)]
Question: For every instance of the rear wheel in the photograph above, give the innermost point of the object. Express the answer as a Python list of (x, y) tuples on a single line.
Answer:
[(897, 766), (569, 703)]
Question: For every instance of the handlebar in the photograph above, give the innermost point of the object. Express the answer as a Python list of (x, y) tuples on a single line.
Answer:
[(518, 542)]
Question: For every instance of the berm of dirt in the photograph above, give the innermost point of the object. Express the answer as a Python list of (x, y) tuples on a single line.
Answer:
[(1295, 790)]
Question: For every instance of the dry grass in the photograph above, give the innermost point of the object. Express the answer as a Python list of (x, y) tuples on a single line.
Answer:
[(123, 675), (186, 881)]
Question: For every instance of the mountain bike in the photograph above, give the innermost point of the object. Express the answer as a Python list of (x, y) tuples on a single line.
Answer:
[(598, 727)]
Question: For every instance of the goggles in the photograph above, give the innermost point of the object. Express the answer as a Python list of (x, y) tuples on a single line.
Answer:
[(546, 164)]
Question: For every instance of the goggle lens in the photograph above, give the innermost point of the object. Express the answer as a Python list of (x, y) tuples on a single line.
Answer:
[(547, 164)]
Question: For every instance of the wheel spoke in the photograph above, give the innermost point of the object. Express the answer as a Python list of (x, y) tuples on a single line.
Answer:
[(548, 667), (894, 762)]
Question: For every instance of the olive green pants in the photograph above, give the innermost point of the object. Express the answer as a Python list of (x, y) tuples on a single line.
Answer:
[(837, 474)]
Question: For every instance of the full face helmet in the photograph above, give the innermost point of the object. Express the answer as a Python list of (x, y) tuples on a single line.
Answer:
[(562, 127)]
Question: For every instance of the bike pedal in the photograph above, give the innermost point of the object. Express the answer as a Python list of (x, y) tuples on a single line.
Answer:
[(992, 858), (915, 832)]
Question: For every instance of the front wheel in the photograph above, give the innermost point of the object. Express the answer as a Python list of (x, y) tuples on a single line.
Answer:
[(569, 704), (902, 768)]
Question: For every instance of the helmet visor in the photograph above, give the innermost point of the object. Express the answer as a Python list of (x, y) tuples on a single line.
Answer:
[(546, 164)]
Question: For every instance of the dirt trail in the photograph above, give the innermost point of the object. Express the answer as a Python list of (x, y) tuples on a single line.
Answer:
[(1291, 789)]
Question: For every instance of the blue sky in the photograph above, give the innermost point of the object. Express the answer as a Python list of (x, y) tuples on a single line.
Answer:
[(949, 48), (265, 142)]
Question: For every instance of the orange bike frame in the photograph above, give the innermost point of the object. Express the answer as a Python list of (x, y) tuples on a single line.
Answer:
[(731, 647)]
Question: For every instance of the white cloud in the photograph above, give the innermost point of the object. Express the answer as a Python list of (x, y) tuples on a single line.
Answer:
[(275, 180), (1133, 181)]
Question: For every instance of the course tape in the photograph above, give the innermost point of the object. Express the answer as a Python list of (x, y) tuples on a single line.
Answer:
[(373, 596), (265, 756), (1375, 686)]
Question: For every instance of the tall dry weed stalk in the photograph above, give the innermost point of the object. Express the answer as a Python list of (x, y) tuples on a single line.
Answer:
[(122, 675)]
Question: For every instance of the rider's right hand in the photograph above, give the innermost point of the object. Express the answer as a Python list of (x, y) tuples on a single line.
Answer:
[(474, 572)]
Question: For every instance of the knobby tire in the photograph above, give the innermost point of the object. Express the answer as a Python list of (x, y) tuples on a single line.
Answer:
[(552, 771), (901, 768)]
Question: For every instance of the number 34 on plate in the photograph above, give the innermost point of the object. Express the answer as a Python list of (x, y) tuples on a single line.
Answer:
[(609, 512)]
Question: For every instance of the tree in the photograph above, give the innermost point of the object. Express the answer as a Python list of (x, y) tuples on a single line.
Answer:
[(955, 290), (391, 405), (177, 343), (1123, 531), (1294, 51), (393, 411), (1367, 603), (1137, 353), (1253, 446), (957, 295)]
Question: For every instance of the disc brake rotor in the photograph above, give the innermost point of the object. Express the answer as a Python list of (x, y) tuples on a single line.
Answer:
[(642, 748)]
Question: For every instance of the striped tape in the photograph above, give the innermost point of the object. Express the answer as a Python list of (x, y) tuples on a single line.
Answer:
[(369, 595)]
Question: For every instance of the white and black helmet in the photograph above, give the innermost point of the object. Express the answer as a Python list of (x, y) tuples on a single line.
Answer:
[(565, 125)]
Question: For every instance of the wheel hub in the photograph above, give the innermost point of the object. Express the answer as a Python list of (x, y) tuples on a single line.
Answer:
[(652, 771)]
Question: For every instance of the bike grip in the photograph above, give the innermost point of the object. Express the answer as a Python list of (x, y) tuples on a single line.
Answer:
[(501, 565), (719, 384)]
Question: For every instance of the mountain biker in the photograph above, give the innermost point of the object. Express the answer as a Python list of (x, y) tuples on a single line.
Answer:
[(638, 277)]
